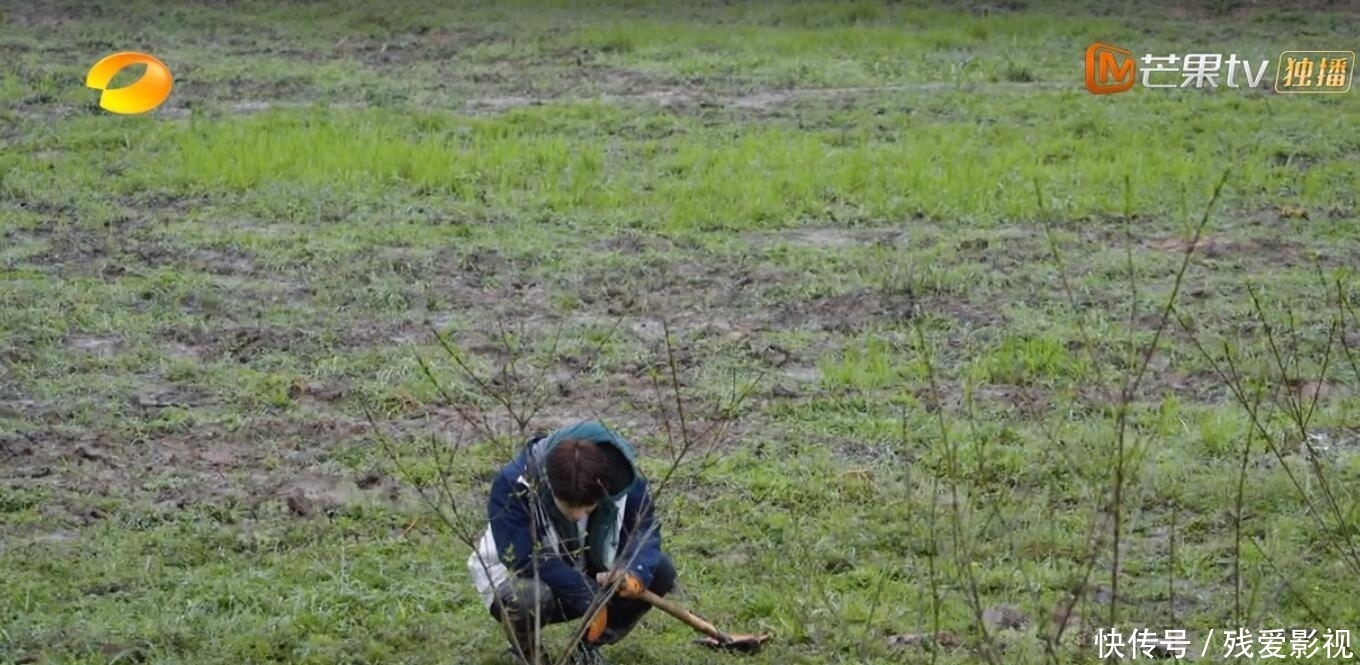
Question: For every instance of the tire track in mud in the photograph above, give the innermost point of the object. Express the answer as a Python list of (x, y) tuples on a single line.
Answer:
[(663, 97)]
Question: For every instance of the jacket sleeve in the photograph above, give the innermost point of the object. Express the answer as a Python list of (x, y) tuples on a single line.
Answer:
[(508, 514), (644, 534)]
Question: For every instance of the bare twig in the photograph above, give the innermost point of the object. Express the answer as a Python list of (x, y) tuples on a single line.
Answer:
[(963, 557), (936, 595), (1229, 373), (1238, 510), (1130, 390), (1113, 510)]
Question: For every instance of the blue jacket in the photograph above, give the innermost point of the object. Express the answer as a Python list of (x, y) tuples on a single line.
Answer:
[(511, 504)]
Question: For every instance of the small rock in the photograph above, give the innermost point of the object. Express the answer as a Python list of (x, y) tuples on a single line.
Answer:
[(298, 504), (838, 564), (1103, 595), (943, 638), (92, 515), (1004, 617), (126, 653), (369, 480), (93, 455)]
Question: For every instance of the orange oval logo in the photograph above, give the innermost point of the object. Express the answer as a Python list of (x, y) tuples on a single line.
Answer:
[(145, 94)]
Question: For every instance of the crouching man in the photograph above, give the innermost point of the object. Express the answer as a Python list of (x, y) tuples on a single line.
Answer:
[(572, 504)]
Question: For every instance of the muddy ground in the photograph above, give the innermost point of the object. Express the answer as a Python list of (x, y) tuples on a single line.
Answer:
[(272, 459), (148, 444)]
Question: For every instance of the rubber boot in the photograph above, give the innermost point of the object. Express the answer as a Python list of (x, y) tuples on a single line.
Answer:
[(587, 655), (525, 654)]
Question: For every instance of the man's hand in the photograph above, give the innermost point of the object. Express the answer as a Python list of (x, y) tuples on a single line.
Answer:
[(630, 588)]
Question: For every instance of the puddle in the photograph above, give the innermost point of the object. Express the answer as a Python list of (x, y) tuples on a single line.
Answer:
[(802, 373), (826, 238), (1332, 445), (100, 346), (649, 330)]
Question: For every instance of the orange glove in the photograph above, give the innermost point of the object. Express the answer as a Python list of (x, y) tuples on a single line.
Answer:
[(598, 625), (631, 587)]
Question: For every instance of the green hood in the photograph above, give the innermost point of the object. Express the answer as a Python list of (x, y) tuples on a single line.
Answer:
[(602, 538)]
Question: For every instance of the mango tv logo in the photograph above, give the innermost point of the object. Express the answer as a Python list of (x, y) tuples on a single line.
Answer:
[(144, 94), (1109, 69)]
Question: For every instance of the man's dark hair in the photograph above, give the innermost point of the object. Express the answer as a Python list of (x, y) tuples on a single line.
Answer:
[(583, 472)]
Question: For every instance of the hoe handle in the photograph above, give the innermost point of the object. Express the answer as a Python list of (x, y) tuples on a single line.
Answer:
[(671, 608)]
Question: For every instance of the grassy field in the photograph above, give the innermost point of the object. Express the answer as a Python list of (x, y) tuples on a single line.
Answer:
[(935, 267)]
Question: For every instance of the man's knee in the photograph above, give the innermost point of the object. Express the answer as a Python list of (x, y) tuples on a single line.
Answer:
[(663, 577), (520, 600)]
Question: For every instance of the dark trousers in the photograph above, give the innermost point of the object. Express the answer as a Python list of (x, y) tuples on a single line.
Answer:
[(517, 596)]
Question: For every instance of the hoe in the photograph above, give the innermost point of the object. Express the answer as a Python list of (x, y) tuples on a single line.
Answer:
[(716, 639)]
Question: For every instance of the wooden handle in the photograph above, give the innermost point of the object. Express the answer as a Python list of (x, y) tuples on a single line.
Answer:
[(684, 615)]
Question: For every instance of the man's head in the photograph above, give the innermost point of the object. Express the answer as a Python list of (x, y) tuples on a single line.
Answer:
[(584, 473)]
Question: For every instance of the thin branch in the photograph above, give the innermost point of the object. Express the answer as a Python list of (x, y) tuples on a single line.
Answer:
[(963, 561)]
